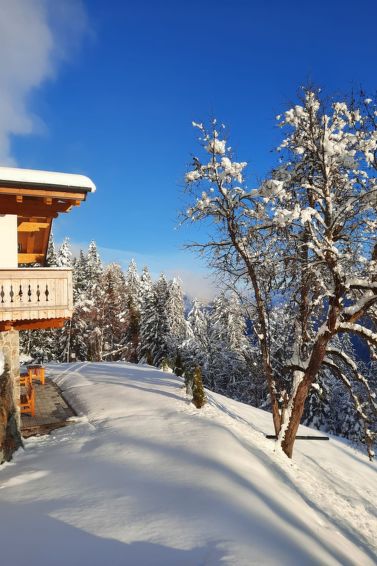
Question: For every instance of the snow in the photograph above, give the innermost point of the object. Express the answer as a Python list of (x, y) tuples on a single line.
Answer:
[(216, 146), (142, 477), (46, 178), (192, 176), (233, 169)]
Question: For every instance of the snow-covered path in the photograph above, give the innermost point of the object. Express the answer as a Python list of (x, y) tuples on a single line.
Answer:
[(143, 478)]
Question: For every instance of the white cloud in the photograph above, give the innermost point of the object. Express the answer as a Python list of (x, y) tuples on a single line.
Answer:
[(35, 35)]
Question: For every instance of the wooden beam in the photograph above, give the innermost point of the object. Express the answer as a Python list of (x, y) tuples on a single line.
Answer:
[(26, 226), (33, 324), (46, 237), (31, 258), (30, 241)]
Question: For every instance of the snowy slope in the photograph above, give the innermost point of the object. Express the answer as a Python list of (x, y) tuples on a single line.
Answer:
[(143, 478)]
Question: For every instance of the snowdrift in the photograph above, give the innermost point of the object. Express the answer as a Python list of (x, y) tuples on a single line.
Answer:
[(143, 478)]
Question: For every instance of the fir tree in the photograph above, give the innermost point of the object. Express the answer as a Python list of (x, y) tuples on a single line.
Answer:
[(113, 295), (178, 365), (154, 324), (196, 349), (145, 284), (80, 273), (80, 335), (198, 395), (64, 255), (133, 285), (228, 346), (176, 317), (93, 269), (51, 256), (133, 304)]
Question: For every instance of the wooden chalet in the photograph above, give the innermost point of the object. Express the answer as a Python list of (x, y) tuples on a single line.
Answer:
[(33, 296)]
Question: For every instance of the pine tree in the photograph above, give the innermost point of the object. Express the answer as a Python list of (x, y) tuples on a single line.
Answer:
[(146, 305), (154, 324), (176, 317), (196, 350), (145, 284), (39, 345), (133, 307), (133, 285), (228, 344), (80, 281), (93, 269), (113, 287), (64, 255), (82, 338), (161, 346), (51, 256), (198, 395), (178, 365)]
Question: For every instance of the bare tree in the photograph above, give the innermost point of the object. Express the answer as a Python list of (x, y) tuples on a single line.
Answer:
[(305, 239)]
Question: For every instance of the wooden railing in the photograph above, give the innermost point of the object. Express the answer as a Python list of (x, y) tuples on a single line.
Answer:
[(35, 294)]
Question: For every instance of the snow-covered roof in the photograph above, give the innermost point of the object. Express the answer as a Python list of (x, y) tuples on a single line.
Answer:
[(33, 178)]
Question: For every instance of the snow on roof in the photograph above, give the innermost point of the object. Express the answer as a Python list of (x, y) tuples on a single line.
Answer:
[(33, 177)]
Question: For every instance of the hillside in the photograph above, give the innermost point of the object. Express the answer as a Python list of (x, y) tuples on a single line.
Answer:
[(143, 478)]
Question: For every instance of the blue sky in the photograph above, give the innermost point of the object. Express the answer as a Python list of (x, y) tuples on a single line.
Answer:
[(116, 85)]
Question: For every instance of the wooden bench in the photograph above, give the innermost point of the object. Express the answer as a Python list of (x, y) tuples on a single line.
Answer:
[(27, 397), (37, 373), (25, 379)]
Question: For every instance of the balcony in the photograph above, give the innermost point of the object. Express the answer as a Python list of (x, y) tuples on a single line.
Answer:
[(35, 298)]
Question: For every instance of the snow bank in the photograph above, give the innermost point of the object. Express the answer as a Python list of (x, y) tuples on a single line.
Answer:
[(145, 478)]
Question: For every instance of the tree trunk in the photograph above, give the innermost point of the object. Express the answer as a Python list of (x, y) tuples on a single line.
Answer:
[(316, 359), (295, 418)]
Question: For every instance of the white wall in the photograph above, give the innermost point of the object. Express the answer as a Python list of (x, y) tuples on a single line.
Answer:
[(8, 241)]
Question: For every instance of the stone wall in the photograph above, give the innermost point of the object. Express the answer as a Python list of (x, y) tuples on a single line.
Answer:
[(10, 437)]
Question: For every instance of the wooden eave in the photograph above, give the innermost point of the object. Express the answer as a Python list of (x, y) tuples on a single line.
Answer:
[(45, 191), (41, 206)]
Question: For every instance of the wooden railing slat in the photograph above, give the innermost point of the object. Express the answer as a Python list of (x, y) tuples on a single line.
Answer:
[(35, 293)]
